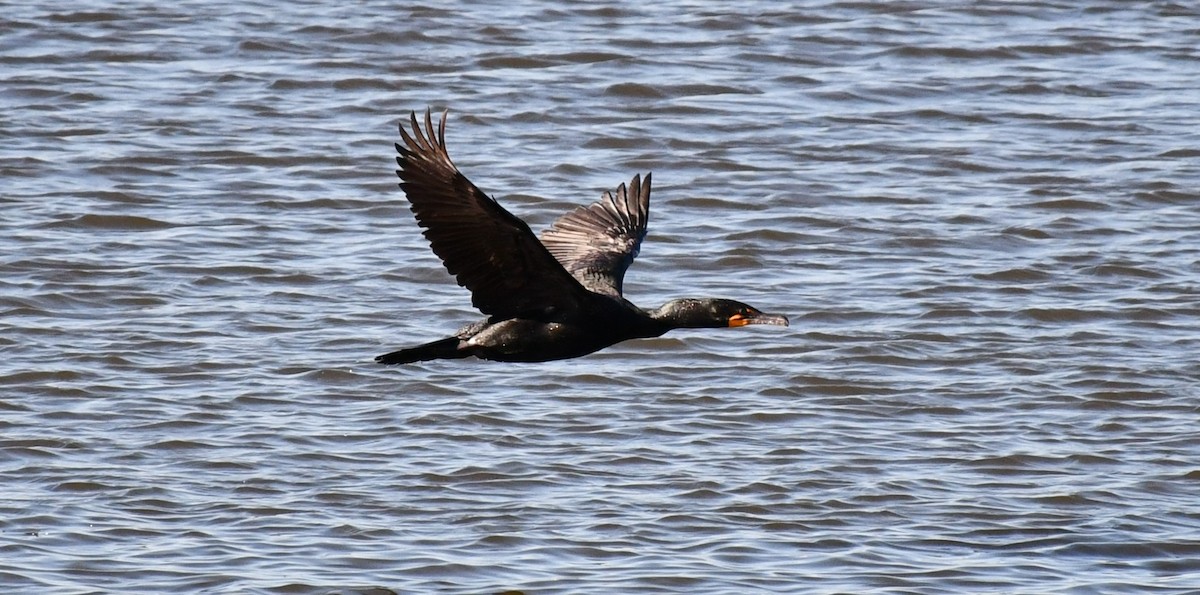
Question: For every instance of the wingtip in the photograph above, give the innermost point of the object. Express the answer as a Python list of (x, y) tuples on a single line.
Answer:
[(428, 121), (640, 185), (424, 138), (645, 205), (442, 127)]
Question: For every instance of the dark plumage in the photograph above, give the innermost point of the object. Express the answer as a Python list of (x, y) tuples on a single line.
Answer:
[(556, 298)]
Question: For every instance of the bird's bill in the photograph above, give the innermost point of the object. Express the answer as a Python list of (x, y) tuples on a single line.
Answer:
[(758, 318)]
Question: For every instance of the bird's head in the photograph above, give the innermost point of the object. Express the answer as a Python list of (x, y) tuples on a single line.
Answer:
[(713, 313)]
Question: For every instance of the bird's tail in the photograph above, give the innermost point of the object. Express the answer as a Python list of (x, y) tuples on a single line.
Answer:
[(444, 349)]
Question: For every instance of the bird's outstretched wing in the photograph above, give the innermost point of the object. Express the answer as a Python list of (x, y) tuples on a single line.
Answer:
[(489, 251), (597, 243)]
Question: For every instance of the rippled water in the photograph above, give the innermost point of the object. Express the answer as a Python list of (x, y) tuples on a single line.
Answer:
[(982, 217)]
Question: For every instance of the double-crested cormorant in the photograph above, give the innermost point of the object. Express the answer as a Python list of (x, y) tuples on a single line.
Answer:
[(556, 298)]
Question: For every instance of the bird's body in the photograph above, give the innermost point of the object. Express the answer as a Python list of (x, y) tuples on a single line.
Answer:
[(556, 298), (593, 327)]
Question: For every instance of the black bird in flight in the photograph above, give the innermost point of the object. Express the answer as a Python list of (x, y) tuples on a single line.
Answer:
[(556, 298)]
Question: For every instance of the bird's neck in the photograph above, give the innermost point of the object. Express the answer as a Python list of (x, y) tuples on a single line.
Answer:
[(681, 313)]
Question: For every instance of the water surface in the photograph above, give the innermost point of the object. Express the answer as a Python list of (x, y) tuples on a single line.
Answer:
[(981, 217)]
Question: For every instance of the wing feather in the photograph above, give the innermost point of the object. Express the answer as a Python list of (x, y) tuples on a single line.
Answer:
[(598, 242), (488, 250)]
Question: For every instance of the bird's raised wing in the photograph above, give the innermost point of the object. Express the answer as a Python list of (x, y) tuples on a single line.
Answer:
[(489, 251), (597, 243)]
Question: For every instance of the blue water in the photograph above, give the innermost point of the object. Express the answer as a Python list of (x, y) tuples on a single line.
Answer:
[(981, 218)]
